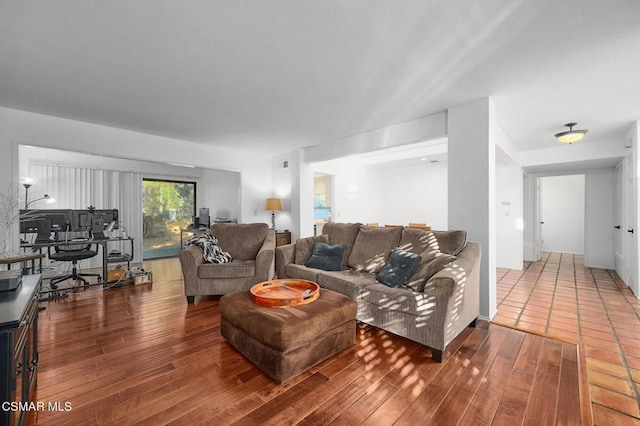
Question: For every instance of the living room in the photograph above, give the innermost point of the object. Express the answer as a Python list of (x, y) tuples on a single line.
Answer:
[(493, 147)]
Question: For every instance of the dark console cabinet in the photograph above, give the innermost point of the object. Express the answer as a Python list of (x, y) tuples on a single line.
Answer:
[(283, 237), (18, 349)]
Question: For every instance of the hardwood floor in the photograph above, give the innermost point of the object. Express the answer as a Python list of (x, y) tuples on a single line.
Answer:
[(140, 354), (560, 298)]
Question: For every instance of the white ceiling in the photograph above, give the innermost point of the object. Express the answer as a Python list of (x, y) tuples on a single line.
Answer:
[(275, 75)]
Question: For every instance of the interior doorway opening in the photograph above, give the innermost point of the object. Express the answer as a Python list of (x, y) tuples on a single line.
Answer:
[(561, 210), (323, 210)]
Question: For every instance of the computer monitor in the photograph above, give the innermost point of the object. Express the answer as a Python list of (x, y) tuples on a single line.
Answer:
[(107, 216), (59, 219), (81, 220), (93, 220), (37, 225)]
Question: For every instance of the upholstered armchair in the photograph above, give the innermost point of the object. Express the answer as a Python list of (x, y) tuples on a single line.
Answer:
[(252, 246)]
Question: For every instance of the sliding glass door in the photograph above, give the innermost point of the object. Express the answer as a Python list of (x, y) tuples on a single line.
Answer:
[(167, 207)]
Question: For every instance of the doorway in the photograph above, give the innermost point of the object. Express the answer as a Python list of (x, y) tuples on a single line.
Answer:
[(322, 201), (167, 207), (561, 214)]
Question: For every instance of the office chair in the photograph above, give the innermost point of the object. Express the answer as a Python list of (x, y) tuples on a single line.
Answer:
[(71, 248)]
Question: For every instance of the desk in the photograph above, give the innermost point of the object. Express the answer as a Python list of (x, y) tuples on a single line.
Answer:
[(104, 243), (23, 258)]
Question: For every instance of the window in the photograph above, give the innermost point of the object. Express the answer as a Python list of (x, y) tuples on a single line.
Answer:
[(167, 207)]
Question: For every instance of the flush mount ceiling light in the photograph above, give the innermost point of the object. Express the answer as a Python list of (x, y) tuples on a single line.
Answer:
[(571, 136)]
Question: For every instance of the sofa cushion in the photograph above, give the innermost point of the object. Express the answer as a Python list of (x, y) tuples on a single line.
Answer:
[(342, 233), (304, 248), (372, 247), (399, 268), (349, 282), (400, 300), (326, 257), (451, 242), (235, 269), (435, 262), (241, 240), (418, 240), (300, 271)]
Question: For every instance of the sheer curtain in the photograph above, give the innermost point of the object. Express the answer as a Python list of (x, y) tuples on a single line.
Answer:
[(79, 188)]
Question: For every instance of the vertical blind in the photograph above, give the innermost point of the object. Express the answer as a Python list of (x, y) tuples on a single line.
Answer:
[(79, 188)]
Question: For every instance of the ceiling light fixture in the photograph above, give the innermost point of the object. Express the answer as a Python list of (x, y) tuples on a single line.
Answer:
[(571, 136)]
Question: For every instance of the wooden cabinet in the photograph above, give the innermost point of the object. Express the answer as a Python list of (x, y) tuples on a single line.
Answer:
[(18, 349), (283, 238)]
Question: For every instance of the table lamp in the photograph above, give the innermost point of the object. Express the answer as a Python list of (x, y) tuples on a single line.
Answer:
[(273, 205)]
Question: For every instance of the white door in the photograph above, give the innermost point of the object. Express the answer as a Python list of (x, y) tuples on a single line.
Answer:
[(618, 221), (631, 252), (539, 219)]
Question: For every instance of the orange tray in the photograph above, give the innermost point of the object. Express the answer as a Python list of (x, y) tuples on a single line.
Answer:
[(284, 293)]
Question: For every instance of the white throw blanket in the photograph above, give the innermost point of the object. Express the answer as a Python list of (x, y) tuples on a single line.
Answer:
[(211, 250)]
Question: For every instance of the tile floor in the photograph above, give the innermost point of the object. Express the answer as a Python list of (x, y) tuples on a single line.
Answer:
[(558, 297)]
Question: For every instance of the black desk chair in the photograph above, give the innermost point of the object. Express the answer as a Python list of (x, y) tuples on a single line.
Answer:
[(71, 247)]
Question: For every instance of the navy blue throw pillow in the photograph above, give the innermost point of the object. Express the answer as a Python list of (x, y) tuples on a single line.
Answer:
[(399, 268), (326, 257)]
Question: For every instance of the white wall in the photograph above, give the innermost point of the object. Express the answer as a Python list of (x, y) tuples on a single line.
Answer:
[(219, 190), (356, 196), (472, 196), (633, 246), (422, 129), (509, 216), (570, 154), (19, 127), (282, 183), (563, 212), (414, 193), (509, 204)]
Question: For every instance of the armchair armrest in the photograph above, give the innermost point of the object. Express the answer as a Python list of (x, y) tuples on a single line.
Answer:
[(190, 258), (265, 260), (285, 255)]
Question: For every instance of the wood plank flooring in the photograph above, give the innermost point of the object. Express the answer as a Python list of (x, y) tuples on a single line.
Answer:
[(141, 355), (559, 297)]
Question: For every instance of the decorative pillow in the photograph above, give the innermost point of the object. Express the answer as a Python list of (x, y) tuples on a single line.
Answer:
[(211, 250), (372, 247), (342, 233), (399, 268), (326, 257), (436, 261), (304, 247)]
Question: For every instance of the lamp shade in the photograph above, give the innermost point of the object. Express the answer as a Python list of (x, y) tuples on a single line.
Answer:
[(571, 136), (273, 204)]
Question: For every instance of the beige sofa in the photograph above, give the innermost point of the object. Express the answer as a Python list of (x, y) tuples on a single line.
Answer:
[(252, 247), (430, 311)]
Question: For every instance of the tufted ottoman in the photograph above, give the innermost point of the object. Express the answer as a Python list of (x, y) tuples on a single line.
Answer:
[(284, 342)]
